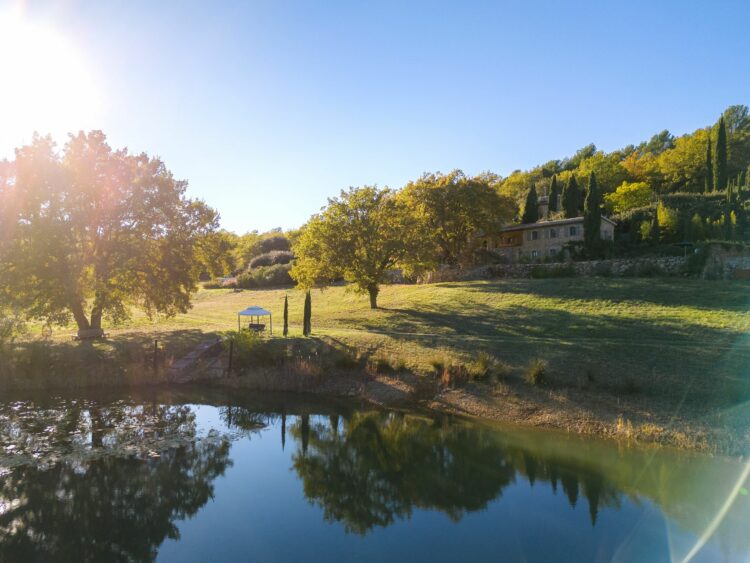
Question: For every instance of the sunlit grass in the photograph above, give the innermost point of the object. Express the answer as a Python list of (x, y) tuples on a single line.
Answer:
[(671, 335)]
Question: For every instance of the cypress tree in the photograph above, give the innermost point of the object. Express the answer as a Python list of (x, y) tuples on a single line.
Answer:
[(592, 216), (728, 208), (720, 161), (655, 228), (709, 185), (570, 198), (286, 315), (554, 196), (306, 320), (531, 209)]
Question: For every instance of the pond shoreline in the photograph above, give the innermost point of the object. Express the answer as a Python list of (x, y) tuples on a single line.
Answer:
[(586, 412), (583, 411)]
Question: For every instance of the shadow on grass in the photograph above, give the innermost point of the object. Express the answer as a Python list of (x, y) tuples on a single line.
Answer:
[(663, 358), (667, 292)]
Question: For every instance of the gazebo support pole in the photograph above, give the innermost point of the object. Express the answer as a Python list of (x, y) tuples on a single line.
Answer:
[(270, 318), (238, 322)]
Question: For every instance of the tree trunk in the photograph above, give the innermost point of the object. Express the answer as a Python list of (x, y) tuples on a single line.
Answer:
[(373, 290), (86, 329)]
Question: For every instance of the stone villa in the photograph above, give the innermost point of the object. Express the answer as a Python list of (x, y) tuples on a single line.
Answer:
[(543, 240)]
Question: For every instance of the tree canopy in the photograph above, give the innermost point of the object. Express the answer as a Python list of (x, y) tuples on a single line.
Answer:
[(449, 208), (89, 231), (359, 236)]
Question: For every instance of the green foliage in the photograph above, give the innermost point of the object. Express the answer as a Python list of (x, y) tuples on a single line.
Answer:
[(709, 184), (554, 196), (447, 209), (91, 231), (571, 198), (721, 173), (271, 258), (266, 276), (11, 326), (629, 195), (250, 350), (667, 222), (486, 366), (592, 217), (307, 315), (360, 236), (655, 232), (609, 173), (531, 208), (536, 372)]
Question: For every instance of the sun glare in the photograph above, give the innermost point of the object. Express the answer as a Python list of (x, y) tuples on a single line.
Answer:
[(46, 86)]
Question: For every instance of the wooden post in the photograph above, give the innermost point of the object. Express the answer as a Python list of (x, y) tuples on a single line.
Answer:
[(156, 352), (231, 354), (270, 317), (238, 322)]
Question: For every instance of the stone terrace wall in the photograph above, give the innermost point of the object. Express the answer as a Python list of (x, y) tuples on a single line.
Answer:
[(727, 263), (667, 266)]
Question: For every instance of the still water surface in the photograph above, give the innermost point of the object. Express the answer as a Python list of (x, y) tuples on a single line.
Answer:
[(209, 476)]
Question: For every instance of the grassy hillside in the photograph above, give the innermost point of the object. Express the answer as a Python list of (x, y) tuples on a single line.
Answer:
[(670, 338)]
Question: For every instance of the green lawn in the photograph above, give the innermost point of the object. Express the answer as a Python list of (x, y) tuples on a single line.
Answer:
[(670, 338), (665, 337)]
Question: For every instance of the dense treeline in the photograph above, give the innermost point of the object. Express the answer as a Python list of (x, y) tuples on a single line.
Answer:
[(668, 189), (694, 186)]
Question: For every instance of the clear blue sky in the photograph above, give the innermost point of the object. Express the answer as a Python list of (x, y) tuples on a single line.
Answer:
[(268, 108)]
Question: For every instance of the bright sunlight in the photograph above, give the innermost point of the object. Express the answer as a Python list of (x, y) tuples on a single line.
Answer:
[(46, 84)]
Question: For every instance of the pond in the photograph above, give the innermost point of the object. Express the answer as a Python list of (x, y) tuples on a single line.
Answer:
[(204, 475)]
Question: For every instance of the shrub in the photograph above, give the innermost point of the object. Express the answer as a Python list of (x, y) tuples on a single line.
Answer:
[(251, 350), (270, 244), (213, 284), (271, 258), (455, 376), (438, 364), (398, 364), (380, 364), (536, 372), (485, 366), (10, 327), (267, 276)]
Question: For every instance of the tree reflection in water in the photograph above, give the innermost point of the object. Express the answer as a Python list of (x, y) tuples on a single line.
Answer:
[(122, 475), (381, 466)]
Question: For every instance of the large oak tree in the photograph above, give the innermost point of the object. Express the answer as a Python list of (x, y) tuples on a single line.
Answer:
[(359, 236), (89, 231)]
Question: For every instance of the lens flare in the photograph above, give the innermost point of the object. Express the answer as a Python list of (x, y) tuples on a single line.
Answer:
[(46, 84)]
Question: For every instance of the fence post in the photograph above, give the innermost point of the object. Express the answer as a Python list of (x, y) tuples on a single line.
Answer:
[(156, 352), (231, 353)]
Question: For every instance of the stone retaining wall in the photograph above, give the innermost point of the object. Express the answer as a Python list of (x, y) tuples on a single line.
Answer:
[(727, 263), (664, 266)]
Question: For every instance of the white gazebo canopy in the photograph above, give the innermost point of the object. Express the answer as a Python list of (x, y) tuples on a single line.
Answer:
[(254, 312)]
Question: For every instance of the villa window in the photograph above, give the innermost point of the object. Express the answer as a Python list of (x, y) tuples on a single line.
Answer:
[(535, 254), (573, 231), (534, 235), (553, 233)]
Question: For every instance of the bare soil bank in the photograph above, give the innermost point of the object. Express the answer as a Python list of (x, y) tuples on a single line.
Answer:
[(586, 411)]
